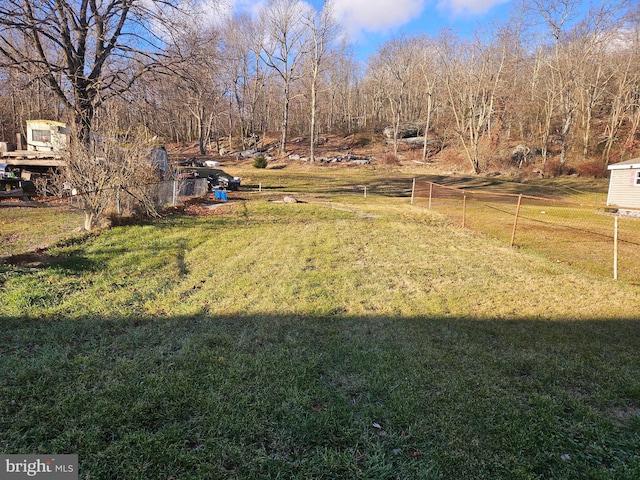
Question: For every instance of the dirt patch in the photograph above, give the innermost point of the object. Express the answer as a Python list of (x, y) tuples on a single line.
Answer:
[(37, 258), (623, 414), (202, 207)]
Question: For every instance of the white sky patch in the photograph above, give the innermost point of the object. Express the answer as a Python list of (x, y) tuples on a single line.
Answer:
[(468, 7), (211, 11), (248, 6), (357, 16)]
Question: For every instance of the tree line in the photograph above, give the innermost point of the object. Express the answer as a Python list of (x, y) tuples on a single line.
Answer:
[(560, 78)]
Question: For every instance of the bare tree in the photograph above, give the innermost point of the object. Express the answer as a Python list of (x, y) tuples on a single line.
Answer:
[(323, 32), (100, 174), (283, 49), (472, 76), (195, 74), (558, 16), (430, 77), (84, 51), (394, 67)]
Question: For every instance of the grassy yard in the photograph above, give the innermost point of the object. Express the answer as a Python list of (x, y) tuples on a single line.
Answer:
[(27, 228), (344, 337)]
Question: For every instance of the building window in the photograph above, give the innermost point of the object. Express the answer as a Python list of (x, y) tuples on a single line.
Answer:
[(41, 136), (636, 179)]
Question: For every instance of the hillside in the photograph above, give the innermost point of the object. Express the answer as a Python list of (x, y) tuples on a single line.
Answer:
[(338, 150)]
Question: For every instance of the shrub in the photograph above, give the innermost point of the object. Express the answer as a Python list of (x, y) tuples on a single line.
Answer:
[(361, 140), (260, 162), (554, 168), (594, 169)]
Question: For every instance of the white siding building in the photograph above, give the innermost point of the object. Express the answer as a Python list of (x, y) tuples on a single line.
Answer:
[(624, 184), (46, 135)]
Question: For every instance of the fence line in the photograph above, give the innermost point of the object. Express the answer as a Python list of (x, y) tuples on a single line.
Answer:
[(124, 199), (583, 235)]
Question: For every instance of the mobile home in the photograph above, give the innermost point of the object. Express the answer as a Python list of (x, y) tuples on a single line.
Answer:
[(46, 136)]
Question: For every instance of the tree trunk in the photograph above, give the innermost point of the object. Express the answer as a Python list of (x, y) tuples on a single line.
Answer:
[(426, 127), (285, 120), (312, 127), (89, 218)]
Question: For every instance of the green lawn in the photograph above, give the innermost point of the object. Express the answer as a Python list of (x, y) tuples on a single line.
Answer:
[(28, 228), (339, 338)]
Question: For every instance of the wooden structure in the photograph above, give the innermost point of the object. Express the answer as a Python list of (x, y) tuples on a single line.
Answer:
[(46, 140)]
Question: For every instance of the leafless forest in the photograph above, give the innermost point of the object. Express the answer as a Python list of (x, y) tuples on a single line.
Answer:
[(558, 82)]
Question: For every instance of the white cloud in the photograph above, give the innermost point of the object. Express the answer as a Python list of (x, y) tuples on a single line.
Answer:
[(376, 15), (247, 6), (468, 7)]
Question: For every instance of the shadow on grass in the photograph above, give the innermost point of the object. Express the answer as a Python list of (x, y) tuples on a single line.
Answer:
[(267, 396), (555, 188)]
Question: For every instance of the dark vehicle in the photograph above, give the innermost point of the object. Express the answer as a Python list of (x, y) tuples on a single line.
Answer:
[(192, 162), (11, 185), (219, 179)]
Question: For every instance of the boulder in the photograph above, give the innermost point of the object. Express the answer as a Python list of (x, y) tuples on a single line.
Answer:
[(405, 130), (519, 154), (247, 153)]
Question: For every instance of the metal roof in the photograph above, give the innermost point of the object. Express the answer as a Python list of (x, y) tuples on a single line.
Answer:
[(628, 164), (47, 122)]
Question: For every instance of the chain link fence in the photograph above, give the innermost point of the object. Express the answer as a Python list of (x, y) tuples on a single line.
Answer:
[(587, 236), (157, 195), (123, 200), (173, 192)]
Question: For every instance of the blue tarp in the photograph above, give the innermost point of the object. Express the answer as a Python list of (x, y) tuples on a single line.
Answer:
[(221, 195)]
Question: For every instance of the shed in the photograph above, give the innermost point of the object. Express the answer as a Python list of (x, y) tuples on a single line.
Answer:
[(46, 135), (624, 184)]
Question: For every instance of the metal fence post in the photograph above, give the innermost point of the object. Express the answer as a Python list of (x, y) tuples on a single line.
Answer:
[(515, 220), (615, 247), (413, 189), (175, 193), (464, 209)]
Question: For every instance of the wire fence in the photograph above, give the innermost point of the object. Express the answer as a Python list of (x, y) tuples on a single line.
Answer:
[(587, 236), (160, 195), (173, 192), (126, 199)]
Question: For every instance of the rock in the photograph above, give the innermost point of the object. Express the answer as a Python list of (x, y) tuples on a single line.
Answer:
[(405, 130), (519, 154), (288, 199), (248, 153)]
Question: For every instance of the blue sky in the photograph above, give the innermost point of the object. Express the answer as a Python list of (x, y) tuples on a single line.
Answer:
[(371, 22)]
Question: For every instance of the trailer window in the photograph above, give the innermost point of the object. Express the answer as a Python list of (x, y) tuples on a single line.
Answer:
[(41, 136)]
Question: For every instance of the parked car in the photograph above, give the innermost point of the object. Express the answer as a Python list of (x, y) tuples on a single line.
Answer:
[(192, 162), (218, 179), (187, 174)]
